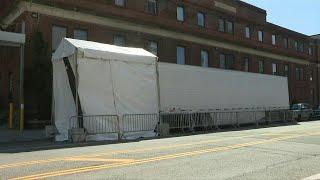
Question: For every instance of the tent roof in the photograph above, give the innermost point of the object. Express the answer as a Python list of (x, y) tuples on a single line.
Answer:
[(102, 51)]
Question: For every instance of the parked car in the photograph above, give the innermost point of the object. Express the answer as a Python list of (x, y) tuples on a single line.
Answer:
[(316, 112), (302, 111)]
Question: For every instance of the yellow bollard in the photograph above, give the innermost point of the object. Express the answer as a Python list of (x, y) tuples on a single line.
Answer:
[(10, 115)]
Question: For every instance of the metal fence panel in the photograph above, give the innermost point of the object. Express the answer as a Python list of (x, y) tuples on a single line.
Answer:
[(176, 120), (97, 124), (139, 122)]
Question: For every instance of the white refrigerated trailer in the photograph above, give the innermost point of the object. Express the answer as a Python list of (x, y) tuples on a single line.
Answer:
[(190, 88)]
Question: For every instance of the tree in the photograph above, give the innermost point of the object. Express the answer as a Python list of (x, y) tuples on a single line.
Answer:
[(39, 77)]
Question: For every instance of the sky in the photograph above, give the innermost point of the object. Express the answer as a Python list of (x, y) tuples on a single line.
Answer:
[(302, 16)]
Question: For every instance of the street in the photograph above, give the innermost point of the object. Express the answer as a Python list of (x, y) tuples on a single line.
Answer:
[(283, 152)]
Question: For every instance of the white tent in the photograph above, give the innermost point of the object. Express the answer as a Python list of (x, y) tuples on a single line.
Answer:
[(104, 80)]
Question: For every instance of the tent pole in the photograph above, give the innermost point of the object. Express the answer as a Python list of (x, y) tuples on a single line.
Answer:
[(158, 87), (77, 85)]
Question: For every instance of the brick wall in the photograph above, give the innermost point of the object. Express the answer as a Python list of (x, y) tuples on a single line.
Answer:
[(136, 11)]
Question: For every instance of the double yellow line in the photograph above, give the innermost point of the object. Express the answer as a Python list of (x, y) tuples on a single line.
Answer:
[(52, 160), (28, 163), (155, 159)]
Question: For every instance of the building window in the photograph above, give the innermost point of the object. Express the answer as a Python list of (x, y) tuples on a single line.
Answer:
[(120, 3), (296, 45), (80, 34), (119, 40), (248, 32), (181, 55), (230, 61), (246, 64), (153, 47), (286, 43), (201, 19), (152, 7), (274, 68), (180, 13), (300, 46), (221, 25), (286, 70), (226, 61), (230, 27), (299, 74), (58, 33), (261, 36), (261, 66), (274, 39), (204, 58), (310, 51), (222, 61)]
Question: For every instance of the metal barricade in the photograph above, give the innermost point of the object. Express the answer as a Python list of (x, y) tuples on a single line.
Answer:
[(96, 124), (201, 120), (226, 119), (176, 120), (139, 122)]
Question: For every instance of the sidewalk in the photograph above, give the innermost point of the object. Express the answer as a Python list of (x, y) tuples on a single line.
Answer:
[(14, 136)]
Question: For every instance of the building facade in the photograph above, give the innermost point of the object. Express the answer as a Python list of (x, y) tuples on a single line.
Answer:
[(228, 34)]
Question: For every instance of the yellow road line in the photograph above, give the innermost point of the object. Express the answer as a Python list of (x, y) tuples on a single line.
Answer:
[(19, 164), (159, 158), (33, 162), (99, 160)]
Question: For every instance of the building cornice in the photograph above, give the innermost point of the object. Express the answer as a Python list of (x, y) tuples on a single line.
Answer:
[(130, 26)]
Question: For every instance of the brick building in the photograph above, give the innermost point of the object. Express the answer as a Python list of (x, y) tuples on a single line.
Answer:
[(227, 34)]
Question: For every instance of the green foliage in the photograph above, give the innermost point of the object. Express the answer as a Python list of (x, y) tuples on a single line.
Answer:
[(39, 76)]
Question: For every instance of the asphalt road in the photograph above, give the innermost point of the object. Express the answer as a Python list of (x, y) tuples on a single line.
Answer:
[(286, 152)]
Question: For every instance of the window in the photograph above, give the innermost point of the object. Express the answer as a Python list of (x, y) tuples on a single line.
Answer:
[(230, 61), (152, 7), (274, 39), (201, 19), (221, 25), (230, 27), (227, 61), (299, 74), (153, 47), (204, 58), (181, 55), (248, 32), (120, 3), (296, 45), (58, 33), (261, 66), (246, 64), (310, 51), (119, 40), (180, 13), (286, 43), (300, 46), (80, 34), (286, 70), (222, 61), (274, 68), (261, 36)]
